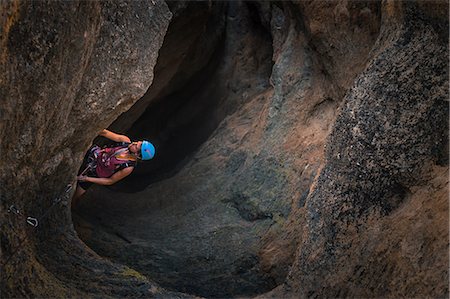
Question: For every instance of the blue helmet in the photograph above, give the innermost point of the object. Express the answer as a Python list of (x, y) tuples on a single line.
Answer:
[(147, 150)]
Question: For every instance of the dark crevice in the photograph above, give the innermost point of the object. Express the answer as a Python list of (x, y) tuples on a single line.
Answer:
[(170, 124)]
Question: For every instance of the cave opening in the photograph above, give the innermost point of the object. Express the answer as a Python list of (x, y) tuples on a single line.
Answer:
[(159, 222)]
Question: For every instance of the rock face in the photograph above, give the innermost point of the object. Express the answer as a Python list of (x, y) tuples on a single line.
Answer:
[(68, 69), (302, 148), (387, 144)]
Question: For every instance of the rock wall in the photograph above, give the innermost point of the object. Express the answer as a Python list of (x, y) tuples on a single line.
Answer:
[(365, 231), (303, 148), (68, 69)]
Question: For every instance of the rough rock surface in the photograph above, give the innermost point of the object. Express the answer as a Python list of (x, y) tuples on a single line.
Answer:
[(67, 69), (386, 149), (215, 243), (303, 148)]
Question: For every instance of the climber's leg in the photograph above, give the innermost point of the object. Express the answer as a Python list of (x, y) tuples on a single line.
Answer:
[(77, 195)]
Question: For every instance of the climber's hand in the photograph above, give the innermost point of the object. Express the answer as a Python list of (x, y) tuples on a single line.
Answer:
[(81, 178)]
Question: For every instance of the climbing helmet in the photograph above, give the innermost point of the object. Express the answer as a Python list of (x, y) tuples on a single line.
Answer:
[(147, 150)]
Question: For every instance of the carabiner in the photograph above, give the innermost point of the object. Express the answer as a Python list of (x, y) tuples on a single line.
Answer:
[(13, 209), (32, 221), (68, 188)]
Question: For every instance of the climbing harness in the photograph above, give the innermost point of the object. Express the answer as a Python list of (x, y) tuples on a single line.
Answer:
[(92, 159), (34, 222), (98, 160), (109, 161)]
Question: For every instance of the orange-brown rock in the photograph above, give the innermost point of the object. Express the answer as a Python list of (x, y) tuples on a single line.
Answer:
[(302, 148)]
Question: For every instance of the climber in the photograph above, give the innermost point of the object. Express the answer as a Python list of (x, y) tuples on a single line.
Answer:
[(111, 164)]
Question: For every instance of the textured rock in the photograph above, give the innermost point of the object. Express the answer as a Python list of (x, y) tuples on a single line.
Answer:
[(212, 242), (391, 129), (189, 45), (302, 148), (221, 225), (67, 70)]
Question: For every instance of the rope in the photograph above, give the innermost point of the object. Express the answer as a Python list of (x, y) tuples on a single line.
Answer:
[(31, 221)]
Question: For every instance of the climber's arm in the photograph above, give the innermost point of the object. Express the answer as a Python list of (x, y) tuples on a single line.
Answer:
[(114, 136), (108, 181)]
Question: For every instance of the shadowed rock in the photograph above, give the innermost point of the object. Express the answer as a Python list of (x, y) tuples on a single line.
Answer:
[(302, 148)]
